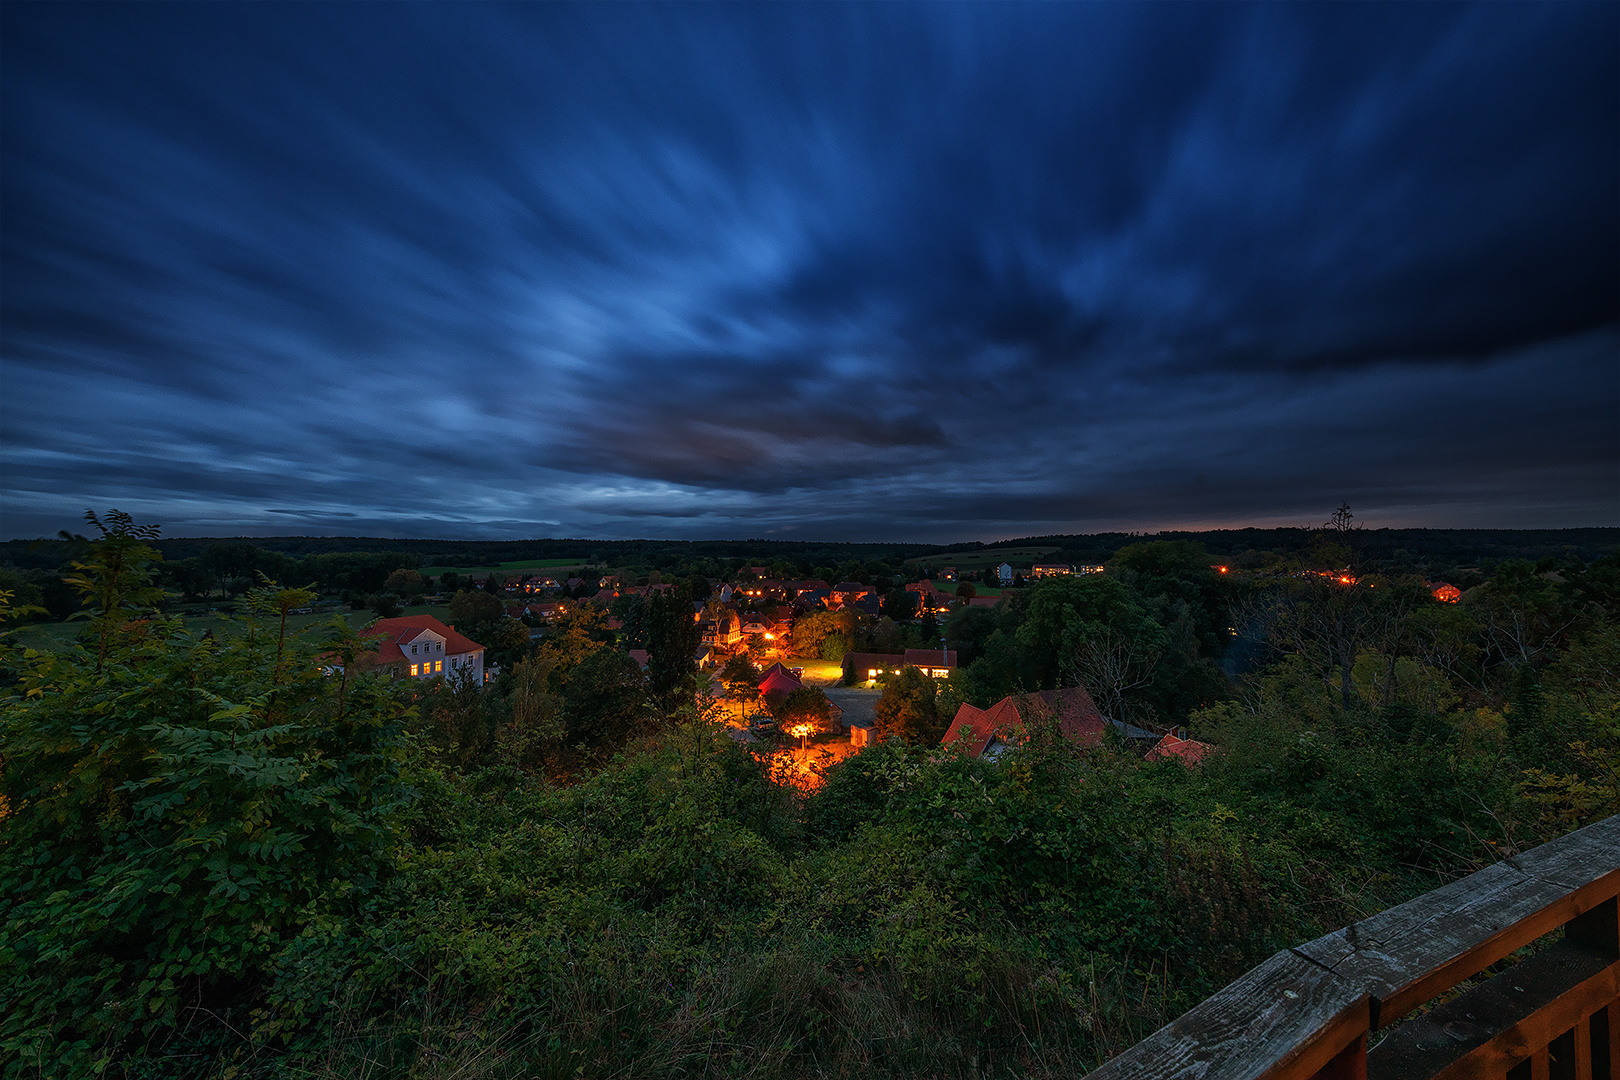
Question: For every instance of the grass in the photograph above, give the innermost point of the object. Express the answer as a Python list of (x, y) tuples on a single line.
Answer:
[(979, 560), (495, 568)]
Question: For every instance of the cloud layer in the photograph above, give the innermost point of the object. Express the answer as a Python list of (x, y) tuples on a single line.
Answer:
[(847, 272)]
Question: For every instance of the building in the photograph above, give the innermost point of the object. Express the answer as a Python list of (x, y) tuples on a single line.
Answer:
[(422, 647), (1188, 751), (1005, 573), (846, 593), (1446, 594), (864, 667), (778, 680), (930, 601), (723, 630), (989, 733), (937, 663), (1050, 569)]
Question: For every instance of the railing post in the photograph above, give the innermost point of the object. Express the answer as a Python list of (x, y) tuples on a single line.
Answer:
[(1349, 1064)]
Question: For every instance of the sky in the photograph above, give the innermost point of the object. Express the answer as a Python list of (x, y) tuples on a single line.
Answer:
[(930, 272)]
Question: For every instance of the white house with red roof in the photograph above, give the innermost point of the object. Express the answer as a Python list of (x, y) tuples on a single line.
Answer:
[(422, 647)]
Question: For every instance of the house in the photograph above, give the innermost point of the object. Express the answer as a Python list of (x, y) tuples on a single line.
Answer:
[(1050, 569), (422, 647), (983, 601), (937, 663), (929, 599), (1005, 573), (846, 593), (1188, 751), (811, 599), (989, 733), (723, 630), (779, 680), (948, 574), (864, 667), (1446, 594)]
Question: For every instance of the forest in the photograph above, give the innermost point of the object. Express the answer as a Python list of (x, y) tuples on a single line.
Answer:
[(239, 854)]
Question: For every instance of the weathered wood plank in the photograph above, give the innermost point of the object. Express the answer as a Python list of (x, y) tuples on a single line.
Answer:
[(1583, 1050), (1287, 1017), (1291, 1015), (1409, 953), (1495, 1025), (1611, 1033)]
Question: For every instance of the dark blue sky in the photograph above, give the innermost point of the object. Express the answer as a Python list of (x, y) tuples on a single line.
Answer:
[(873, 272)]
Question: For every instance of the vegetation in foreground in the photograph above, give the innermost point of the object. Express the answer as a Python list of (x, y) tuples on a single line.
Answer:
[(221, 856)]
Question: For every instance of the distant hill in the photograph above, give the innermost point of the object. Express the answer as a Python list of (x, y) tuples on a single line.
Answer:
[(1437, 550)]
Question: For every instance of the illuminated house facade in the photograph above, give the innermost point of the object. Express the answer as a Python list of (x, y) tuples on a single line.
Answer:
[(422, 647)]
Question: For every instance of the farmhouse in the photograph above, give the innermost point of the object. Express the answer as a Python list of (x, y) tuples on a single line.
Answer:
[(989, 733), (935, 662), (422, 647)]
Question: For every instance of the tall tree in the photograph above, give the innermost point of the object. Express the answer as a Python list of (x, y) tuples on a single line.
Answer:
[(673, 638), (908, 709), (115, 582)]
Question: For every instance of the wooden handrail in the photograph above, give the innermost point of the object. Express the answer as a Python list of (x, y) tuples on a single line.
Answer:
[(1307, 1011)]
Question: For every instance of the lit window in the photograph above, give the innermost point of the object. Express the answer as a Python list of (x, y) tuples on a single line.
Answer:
[(438, 666), (872, 674), (413, 669)]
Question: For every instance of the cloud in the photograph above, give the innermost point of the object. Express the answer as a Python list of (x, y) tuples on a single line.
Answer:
[(859, 272)]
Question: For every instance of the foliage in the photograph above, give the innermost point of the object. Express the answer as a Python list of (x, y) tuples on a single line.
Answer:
[(673, 637), (225, 856), (811, 631), (180, 807), (116, 581), (804, 705), (908, 709)]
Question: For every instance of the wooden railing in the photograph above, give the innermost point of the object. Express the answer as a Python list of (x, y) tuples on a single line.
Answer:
[(1308, 1011)]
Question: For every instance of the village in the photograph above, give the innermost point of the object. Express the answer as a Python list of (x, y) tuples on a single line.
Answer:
[(774, 663)]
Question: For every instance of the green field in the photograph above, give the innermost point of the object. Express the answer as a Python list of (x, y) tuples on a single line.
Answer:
[(980, 560), (59, 637), (520, 564)]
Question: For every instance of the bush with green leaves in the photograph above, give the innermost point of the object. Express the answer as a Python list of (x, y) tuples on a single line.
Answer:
[(179, 808)]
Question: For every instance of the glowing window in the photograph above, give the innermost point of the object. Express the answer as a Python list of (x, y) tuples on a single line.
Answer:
[(438, 665), (413, 669)]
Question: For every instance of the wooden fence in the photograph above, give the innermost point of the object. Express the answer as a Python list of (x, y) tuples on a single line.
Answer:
[(1308, 1011)]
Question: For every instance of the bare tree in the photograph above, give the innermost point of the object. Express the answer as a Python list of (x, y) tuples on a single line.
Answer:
[(1110, 665)]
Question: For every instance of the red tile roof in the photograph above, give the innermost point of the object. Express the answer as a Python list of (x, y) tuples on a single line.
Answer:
[(1078, 719), (404, 630), (779, 679), (1189, 750), (929, 658)]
